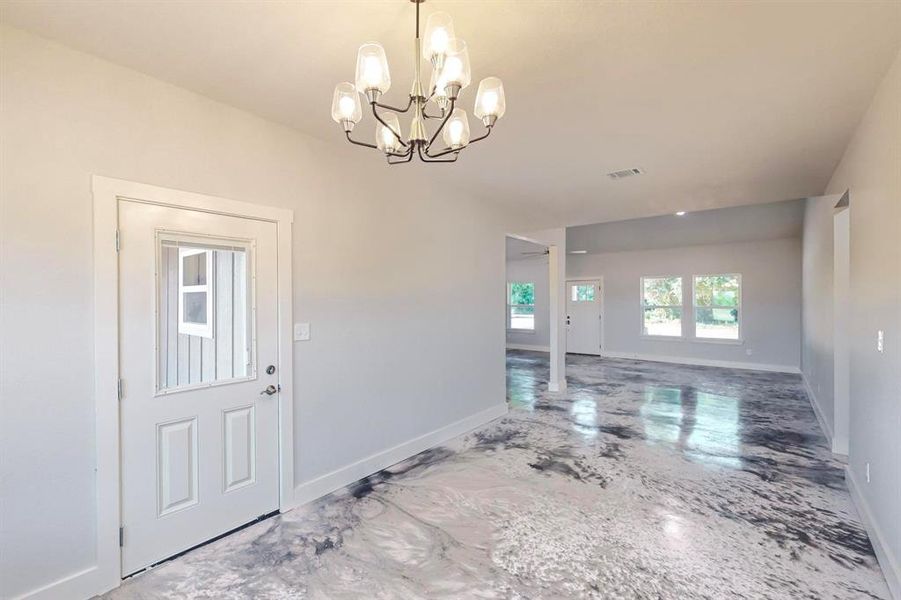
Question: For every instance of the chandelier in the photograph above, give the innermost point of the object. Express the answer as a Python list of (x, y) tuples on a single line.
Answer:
[(450, 75)]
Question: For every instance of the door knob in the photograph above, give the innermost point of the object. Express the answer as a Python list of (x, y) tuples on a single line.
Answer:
[(270, 389)]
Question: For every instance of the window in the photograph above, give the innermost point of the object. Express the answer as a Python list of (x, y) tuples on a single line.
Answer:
[(583, 292), (661, 306), (195, 297), (717, 307), (204, 305), (521, 306)]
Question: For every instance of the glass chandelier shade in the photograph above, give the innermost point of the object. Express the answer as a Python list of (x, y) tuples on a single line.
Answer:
[(439, 31), (346, 104), (456, 130), (384, 136), (372, 69), (490, 101), (456, 69)]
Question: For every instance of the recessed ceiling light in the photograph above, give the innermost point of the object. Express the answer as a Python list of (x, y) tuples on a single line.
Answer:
[(681, 213), (578, 251)]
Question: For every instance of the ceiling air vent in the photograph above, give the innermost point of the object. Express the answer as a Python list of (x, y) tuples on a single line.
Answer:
[(624, 173)]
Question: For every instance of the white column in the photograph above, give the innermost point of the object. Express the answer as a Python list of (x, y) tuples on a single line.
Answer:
[(556, 286)]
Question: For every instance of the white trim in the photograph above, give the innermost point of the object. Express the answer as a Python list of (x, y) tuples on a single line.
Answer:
[(106, 381), (77, 585), (891, 569), (339, 478), (532, 347), (703, 362), (815, 404), (106, 575)]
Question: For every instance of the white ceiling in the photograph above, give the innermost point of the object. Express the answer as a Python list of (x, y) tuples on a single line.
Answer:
[(771, 221), (722, 103)]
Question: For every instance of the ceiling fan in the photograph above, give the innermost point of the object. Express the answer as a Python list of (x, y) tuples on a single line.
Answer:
[(544, 252)]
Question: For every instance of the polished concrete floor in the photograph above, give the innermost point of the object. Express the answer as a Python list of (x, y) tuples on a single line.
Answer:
[(642, 480)]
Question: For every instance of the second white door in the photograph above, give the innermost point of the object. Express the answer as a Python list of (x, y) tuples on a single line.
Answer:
[(584, 318), (199, 356)]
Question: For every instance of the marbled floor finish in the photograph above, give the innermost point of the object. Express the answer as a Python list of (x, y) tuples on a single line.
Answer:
[(643, 480)]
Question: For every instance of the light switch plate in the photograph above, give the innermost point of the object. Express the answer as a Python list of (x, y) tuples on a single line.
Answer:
[(880, 341), (301, 332)]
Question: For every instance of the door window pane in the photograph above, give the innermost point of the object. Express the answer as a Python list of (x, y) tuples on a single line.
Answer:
[(203, 308), (583, 293)]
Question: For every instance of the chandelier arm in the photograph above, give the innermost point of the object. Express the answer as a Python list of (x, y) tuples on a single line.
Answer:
[(409, 157), (481, 137), (404, 154), (388, 127), (424, 157), (394, 108), (353, 141), (444, 152), (444, 121)]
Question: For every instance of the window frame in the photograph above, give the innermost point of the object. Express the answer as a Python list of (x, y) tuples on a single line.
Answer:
[(204, 330), (511, 306), (694, 306), (642, 306), (596, 292)]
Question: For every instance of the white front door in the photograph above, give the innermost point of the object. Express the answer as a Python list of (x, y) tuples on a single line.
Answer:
[(583, 317), (198, 346)]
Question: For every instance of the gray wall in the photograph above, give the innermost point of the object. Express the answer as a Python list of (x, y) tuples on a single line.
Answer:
[(817, 274), (871, 170), (374, 263), (771, 299), (535, 270)]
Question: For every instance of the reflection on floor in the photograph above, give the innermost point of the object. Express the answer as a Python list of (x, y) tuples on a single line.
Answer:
[(643, 480)]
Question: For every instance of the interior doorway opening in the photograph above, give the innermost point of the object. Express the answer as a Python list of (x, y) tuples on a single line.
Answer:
[(527, 296)]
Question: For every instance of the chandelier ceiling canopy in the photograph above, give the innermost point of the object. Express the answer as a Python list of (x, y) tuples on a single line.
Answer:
[(449, 59)]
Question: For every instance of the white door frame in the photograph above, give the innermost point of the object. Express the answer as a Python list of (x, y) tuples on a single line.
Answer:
[(841, 268), (107, 193), (602, 325)]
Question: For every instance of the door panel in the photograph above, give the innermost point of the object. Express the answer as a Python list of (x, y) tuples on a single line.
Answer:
[(199, 315), (583, 317), (177, 465), (240, 440)]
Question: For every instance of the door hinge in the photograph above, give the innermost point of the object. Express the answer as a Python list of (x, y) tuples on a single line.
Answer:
[(121, 537), (119, 389), (118, 241)]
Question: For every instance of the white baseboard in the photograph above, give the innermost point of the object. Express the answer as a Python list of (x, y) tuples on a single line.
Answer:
[(533, 347), (337, 479), (83, 584), (703, 362), (815, 403), (891, 570)]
